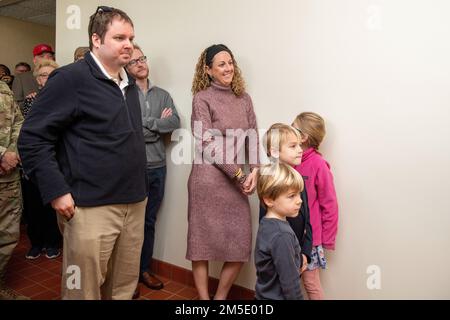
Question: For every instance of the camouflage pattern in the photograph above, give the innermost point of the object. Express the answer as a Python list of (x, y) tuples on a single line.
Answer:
[(10, 209), (10, 213), (10, 193), (11, 120)]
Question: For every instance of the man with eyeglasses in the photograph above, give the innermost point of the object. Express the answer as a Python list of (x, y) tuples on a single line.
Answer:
[(83, 144), (159, 119), (25, 83)]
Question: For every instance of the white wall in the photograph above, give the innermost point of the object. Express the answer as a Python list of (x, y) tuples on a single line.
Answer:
[(377, 71)]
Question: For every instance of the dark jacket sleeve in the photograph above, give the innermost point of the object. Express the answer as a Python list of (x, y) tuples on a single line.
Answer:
[(17, 88), (283, 255), (23, 85), (308, 239), (53, 110)]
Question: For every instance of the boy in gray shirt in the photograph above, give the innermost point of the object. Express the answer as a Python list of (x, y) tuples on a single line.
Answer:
[(278, 258)]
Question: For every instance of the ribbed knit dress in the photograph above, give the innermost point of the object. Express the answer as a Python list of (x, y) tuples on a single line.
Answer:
[(219, 222)]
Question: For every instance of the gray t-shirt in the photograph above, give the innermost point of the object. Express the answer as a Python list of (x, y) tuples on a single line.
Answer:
[(278, 261)]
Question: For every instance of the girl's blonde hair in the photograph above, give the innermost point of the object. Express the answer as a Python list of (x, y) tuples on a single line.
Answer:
[(44, 63), (277, 135), (276, 179), (313, 126), (202, 80)]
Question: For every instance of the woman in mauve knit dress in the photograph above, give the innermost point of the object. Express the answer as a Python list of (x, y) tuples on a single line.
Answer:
[(224, 127)]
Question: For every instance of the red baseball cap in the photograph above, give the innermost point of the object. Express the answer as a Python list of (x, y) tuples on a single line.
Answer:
[(41, 48)]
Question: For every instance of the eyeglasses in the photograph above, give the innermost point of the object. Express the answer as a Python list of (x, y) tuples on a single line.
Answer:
[(141, 59), (101, 9), (43, 75)]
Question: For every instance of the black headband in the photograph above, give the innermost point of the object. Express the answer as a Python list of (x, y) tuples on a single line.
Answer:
[(213, 50)]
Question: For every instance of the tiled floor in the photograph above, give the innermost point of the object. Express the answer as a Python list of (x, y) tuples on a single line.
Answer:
[(40, 279)]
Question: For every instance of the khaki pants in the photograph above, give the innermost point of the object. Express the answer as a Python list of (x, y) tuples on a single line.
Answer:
[(10, 213), (102, 248)]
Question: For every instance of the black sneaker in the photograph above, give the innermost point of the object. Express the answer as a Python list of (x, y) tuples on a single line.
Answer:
[(33, 253), (52, 253)]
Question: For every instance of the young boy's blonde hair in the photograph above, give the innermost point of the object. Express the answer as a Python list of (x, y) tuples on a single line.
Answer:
[(313, 126), (275, 179), (277, 135)]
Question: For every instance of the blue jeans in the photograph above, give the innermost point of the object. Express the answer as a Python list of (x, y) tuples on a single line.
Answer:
[(156, 179)]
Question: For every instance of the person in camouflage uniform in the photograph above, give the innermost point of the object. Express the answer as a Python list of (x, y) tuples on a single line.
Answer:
[(10, 194)]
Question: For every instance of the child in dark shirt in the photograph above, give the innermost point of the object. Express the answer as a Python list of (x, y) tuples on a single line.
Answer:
[(277, 252)]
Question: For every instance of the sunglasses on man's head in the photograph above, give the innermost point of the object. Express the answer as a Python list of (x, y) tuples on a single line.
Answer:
[(101, 9)]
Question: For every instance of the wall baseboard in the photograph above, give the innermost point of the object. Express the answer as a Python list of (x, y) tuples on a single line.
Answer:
[(184, 276)]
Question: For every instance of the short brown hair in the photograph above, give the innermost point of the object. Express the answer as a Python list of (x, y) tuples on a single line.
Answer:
[(23, 64), (275, 179), (313, 126), (99, 22), (79, 53)]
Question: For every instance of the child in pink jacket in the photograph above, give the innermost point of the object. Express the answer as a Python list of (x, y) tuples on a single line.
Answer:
[(323, 206)]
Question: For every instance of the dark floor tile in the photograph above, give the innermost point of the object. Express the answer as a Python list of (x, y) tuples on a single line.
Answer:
[(188, 293), (173, 287), (46, 295), (179, 275), (33, 290), (52, 282), (165, 271), (158, 295), (177, 297), (40, 279), (41, 276), (20, 283), (247, 294)]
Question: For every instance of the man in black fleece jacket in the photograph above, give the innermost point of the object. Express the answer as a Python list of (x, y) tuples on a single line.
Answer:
[(83, 145)]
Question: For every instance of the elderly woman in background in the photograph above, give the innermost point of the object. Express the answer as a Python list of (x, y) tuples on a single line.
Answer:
[(219, 221), (42, 228), (41, 73)]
